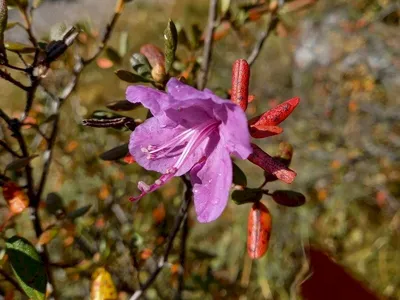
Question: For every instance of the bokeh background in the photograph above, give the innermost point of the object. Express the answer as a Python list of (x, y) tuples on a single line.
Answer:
[(341, 57)]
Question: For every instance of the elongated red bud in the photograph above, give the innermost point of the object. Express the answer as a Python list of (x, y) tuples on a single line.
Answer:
[(276, 115), (240, 83), (271, 165), (259, 230)]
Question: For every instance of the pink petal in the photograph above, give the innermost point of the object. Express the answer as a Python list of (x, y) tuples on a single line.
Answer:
[(211, 181)]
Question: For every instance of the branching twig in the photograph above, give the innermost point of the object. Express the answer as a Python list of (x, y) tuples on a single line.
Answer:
[(208, 43), (263, 37), (11, 280), (182, 214), (182, 258), (5, 75), (8, 149)]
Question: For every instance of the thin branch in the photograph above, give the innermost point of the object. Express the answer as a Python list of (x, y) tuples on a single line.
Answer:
[(5, 75), (109, 29), (8, 149), (28, 27), (208, 43), (263, 37), (182, 214), (182, 258), (11, 280)]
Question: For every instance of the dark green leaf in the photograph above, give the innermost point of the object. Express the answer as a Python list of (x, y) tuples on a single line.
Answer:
[(122, 105), (193, 35), (115, 153), (246, 195), (130, 77), (113, 55), (288, 198), (239, 178), (140, 64), (54, 203), (170, 44), (79, 212), (27, 266), (19, 163)]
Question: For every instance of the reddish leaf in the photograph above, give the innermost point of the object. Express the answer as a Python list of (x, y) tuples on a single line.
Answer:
[(276, 115), (259, 230), (288, 198), (240, 83), (271, 165), (129, 159), (15, 197), (260, 132)]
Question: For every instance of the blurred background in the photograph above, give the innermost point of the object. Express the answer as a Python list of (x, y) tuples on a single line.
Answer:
[(342, 58)]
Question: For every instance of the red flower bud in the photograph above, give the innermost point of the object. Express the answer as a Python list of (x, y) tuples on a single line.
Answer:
[(259, 230), (276, 115), (240, 83), (271, 165)]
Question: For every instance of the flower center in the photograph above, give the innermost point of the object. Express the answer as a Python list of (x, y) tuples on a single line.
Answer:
[(189, 140)]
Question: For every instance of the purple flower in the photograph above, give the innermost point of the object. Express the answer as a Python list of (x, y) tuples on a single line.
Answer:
[(190, 131)]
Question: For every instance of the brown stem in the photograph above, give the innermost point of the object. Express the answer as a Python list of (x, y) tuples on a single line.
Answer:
[(179, 219), (208, 43), (9, 78)]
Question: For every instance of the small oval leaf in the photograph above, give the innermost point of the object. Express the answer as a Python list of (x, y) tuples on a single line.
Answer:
[(102, 287), (18, 47), (140, 64), (130, 77), (239, 178), (27, 266), (170, 44), (122, 105), (115, 153), (246, 195), (19, 163), (288, 198), (79, 212)]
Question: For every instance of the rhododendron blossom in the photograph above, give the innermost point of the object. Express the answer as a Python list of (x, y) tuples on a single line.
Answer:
[(190, 131)]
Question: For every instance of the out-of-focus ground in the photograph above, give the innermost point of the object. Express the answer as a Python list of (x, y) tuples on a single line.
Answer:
[(343, 59)]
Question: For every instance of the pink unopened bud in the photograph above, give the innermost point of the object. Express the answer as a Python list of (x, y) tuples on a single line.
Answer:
[(269, 164)]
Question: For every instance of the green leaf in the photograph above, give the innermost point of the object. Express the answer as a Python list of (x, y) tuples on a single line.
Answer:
[(122, 105), (193, 35), (224, 5), (27, 266), (79, 212), (113, 55), (288, 198), (239, 178), (123, 43), (18, 47), (130, 77), (115, 153), (170, 44), (246, 195), (54, 203), (11, 25), (103, 114), (141, 65), (19, 163)]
